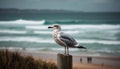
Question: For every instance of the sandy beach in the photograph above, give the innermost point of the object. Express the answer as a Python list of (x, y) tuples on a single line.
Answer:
[(80, 62)]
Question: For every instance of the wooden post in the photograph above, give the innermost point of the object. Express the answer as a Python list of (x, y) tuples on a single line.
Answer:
[(64, 61)]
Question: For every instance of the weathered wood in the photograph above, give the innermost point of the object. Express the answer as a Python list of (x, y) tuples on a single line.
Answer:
[(64, 61)]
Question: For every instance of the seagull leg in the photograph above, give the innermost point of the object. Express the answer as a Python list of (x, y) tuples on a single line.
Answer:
[(67, 50)]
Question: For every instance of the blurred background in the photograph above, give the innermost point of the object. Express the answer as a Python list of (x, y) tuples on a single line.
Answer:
[(95, 24)]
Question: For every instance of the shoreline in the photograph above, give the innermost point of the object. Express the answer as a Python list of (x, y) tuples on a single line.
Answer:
[(100, 60), (97, 62)]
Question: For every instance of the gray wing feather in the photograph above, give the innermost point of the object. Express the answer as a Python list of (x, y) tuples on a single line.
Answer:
[(67, 39)]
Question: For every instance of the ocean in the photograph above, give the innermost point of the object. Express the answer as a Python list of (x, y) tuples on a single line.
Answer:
[(99, 32)]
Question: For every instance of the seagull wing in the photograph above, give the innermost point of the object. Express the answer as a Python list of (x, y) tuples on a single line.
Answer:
[(67, 39)]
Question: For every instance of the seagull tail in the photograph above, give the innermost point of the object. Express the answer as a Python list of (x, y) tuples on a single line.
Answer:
[(81, 47)]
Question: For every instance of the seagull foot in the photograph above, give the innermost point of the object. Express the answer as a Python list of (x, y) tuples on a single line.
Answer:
[(66, 54)]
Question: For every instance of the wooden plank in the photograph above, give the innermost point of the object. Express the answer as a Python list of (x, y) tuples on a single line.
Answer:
[(64, 61)]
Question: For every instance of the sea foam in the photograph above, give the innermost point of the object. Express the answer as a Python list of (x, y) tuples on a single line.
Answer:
[(24, 22), (100, 27), (12, 31), (50, 40), (108, 42), (26, 39)]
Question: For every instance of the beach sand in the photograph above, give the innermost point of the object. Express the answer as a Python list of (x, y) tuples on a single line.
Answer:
[(92, 66), (99, 62)]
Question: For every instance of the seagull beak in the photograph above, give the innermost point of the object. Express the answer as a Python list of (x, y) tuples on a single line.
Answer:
[(50, 27)]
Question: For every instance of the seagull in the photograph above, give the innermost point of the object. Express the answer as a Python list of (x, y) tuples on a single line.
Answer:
[(64, 39)]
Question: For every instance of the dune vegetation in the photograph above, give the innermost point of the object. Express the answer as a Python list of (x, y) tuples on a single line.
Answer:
[(14, 60)]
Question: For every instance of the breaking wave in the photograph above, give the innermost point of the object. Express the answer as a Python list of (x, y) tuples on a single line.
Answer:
[(102, 27), (24, 22), (12, 31), (43, 40)]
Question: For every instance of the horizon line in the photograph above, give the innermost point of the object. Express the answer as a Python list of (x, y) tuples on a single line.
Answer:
[(62, 10)]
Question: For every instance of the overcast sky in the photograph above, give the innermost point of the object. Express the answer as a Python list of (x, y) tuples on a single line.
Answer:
[(76, 5)]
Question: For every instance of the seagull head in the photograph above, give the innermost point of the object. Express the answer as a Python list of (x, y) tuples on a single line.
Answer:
[(55, 26)]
